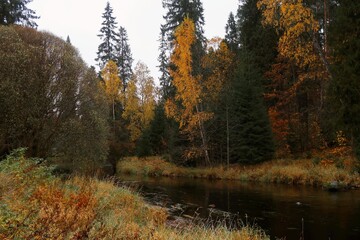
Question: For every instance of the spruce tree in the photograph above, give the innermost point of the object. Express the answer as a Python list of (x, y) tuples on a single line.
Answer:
[(151, 141), (109, 38), (232, 34), (16, 12), (250, 133), (167, 89), (259, 40), (124, 57), (176, 12)]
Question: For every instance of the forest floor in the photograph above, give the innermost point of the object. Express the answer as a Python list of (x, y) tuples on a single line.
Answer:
[(34, 204), (318, 171)]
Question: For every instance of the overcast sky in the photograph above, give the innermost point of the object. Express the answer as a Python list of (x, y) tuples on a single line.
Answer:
[(81, 20)]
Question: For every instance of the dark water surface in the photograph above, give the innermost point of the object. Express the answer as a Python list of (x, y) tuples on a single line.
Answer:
[(278, 209)]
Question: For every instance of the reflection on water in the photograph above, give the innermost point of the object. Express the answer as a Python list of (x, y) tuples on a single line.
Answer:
[(278, 209)]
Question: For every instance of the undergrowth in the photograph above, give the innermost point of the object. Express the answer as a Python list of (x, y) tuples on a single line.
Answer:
[(288, 171), (36, 205)]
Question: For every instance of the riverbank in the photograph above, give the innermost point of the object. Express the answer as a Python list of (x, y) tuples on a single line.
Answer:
[(298, 172), (35, 204)]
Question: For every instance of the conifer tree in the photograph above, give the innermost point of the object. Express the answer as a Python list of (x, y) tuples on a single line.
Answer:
[(259, 40), (124, 57), (189, 91), (109, 38), (176, 12), (232, 33), (250, 133), (16, 12), (346, 88), (167, 89)]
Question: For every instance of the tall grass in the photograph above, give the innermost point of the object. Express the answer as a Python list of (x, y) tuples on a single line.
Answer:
[(36, 205), (301, 172)]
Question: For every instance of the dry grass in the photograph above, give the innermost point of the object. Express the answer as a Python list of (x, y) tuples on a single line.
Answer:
[(301, 172), (35, 205)]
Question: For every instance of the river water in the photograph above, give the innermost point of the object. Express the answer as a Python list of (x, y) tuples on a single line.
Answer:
[(282, 211)]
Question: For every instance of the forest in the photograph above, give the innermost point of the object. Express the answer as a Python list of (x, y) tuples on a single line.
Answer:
[(275, 100), (282, 83)]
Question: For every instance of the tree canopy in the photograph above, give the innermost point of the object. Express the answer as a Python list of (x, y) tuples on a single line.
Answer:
[(16, 12)]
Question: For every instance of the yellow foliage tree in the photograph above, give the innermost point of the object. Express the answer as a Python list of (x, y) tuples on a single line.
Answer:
[(190, 114), (113, 84), (301, 58), (132, 110), (139, 101), (146, 89), (219, 60), (298, 40)]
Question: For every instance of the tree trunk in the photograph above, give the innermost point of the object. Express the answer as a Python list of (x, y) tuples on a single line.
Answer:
[(227, 139), (113, 113), (203, 137)]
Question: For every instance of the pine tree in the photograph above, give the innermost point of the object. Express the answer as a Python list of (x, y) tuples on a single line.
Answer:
[(107, 49), (124, 57), (16, 12)]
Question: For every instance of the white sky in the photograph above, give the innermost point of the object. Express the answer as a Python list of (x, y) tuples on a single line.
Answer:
[(81, 20)]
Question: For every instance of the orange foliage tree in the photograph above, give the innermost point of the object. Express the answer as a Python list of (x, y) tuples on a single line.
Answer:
[(299, 75), (187, 107)]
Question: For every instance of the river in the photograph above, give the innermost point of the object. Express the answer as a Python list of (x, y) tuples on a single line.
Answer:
[(282, 211)]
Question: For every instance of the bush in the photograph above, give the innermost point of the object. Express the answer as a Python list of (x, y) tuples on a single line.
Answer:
[(36, 205)]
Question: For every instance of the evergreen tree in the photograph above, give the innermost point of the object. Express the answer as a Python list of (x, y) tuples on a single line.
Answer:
[(109, 38), (176, 12), (250, 133), (232, 34), (152, 140), (345, 41), (16, 12), (243, 132), (124, 57), (165, 78), (259, 40)]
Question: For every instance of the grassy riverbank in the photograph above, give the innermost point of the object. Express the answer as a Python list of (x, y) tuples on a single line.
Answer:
[(36, 205), (301, 172)]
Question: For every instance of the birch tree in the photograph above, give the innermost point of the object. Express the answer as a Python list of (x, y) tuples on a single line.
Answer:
[(190, 110)]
